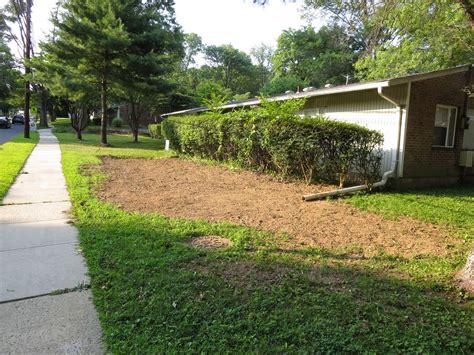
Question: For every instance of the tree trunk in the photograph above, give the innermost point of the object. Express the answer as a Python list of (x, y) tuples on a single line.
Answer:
[(469, 8), (79, 120), (51, 110), (26, 108), (103, 104), (43, 109), (134, 121), (466, 276), (27, 55)]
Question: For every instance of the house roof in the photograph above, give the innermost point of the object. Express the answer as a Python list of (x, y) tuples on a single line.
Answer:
[(335, 89)]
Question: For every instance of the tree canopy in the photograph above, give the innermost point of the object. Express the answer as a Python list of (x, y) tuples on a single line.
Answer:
[(127, 46), (9, 75), (396, 37), (315, 57), (438, 36)]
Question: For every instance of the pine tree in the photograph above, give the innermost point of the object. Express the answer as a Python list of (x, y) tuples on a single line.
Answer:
[(154, 49), (90, 40)]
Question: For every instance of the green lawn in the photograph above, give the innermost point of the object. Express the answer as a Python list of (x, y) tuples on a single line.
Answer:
[(63, 125), (154, 293), (447, 206), (13, 155)]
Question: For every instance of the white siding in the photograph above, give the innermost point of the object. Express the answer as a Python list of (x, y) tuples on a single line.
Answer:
[(365, 108)]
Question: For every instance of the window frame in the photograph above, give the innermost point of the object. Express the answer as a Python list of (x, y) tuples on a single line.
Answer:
[(449, 107)]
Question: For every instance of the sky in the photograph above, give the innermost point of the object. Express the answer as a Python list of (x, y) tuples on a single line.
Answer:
[(236, 22)]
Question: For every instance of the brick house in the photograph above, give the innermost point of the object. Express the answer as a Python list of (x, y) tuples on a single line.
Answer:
[(427, 121)]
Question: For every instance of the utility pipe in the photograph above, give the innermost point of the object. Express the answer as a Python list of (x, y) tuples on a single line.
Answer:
[(385, 176)]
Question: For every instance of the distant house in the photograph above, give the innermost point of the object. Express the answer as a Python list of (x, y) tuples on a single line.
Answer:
[(427, 118)]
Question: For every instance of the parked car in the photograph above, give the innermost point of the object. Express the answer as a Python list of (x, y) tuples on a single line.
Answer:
[(18, 119), (5, 122)]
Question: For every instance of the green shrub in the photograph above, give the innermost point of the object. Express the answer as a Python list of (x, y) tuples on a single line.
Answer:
[(169, 130), (274, 138), (154, 130), (117, 122)]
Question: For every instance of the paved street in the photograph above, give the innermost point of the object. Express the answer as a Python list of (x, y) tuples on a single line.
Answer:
[(8, 133), (39, 256)]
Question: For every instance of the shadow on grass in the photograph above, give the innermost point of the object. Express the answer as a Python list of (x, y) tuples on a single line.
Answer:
[(155, 294)]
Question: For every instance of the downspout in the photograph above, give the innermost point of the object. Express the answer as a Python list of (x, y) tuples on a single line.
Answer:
[(393, 170)]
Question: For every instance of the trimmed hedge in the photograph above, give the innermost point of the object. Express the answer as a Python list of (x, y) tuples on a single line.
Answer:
[(154, 130), (273, 138), (116, 122)]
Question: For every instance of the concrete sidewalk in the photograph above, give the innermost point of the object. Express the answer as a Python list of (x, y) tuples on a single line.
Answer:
[(39, 256)]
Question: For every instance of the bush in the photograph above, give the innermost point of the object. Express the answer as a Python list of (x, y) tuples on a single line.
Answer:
[(117, 122), (154, 130), (274, 138)]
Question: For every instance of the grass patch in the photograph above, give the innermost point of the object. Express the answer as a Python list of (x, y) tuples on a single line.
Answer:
[(63, 125), (155, 293), (452, 206), (13, 156)]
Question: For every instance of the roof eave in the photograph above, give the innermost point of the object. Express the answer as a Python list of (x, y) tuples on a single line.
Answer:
[(429, 75)]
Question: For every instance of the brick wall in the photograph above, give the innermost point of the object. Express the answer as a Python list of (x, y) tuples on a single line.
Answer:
[(422, 160)]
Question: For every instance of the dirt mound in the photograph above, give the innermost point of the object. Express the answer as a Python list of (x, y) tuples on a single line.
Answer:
[(182, 188), (210, 242)]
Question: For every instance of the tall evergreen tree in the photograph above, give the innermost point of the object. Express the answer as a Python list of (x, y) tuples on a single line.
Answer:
[(91, 40), (155, 48)]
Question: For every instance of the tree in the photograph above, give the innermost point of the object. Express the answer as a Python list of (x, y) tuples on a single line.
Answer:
[(262, 55), (314, 57), (208, 88), (281, 84), (8, 74), (90, 39), (155, 46), (19, 12), (429, 36), (65, 81), (192, 46), (231, 68), (363, 20), (468, 6)]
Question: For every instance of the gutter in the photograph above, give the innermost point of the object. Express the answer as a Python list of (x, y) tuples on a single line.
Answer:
[(392, 172)]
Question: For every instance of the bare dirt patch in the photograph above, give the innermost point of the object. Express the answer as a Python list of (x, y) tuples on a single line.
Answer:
[(186, 189), (210, 242)]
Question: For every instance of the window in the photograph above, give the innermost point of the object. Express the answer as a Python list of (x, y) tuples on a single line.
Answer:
[(445, 126)]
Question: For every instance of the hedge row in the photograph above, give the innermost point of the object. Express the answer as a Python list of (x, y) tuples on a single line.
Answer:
[(154, 130), (272, 139)]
